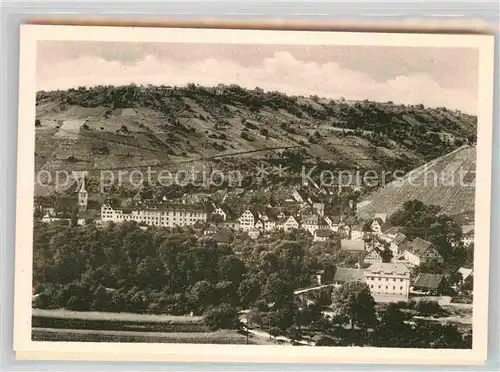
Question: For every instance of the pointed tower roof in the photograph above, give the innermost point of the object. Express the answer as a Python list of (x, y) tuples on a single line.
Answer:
[(82, 187)]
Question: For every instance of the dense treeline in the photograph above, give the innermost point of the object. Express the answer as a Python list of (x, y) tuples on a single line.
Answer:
[(159, 270)]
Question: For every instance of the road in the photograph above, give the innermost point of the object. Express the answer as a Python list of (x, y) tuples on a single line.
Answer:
[(266, 335)]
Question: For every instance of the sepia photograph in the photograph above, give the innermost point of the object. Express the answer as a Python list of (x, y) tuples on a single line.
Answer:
[(254, 189)]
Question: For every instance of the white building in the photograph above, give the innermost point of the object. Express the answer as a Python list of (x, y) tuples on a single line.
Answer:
[(247, 220), (388, 279), (319, 207), (376, 225), (396, 243), (467, 235), (220, 212), (83, 196), (167, 217), (291, 223), (312, 223), (373, 257)]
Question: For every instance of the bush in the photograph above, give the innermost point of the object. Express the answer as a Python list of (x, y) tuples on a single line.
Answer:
[(245, 136), (222, 317), (425, 307), (77, 304), (42, 301), (264, 132), (38, 123)]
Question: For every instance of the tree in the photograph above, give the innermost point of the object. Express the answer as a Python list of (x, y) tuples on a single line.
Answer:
[(203, 293), (102, 300), (425, 307), (222, 317), (392, 330), (354, 302), (37, 123), (74, 217)]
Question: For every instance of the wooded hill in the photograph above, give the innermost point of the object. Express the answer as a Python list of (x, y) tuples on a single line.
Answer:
[(108, 127)]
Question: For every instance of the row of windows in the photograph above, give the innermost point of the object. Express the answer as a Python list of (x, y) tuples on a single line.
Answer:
[(400, 293), (377, 278), (387, 287)]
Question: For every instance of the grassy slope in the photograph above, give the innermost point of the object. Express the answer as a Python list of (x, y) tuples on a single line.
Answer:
[(129, 127)]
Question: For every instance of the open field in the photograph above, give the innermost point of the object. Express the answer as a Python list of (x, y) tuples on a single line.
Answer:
[(79, 335), (63, 319)]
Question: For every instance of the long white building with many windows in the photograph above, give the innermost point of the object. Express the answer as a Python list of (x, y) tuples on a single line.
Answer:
[(167, 217), (388, 279)]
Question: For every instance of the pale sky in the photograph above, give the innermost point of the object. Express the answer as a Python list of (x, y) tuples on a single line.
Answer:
[(410, 75)]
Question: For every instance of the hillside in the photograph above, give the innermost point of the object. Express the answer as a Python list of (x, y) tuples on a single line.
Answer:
[(453, 190), (133, 126)]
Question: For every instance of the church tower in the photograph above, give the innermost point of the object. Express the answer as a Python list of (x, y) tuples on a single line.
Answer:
[(82, 196)]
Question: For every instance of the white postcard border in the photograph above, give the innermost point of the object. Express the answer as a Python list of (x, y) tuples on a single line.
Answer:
[(27, 349)]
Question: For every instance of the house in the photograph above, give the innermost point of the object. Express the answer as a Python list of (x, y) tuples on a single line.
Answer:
[(254, 233), (48, 218), (467, 235), (312, 223), (356, 232), (319, 208), (388, 281), (247, 220), (345, 275), (322, 235), (396, 243), (291, 223), (428, 283), (352, 245), (300, 195), (220, 211), (420, 251), (231, 225), (373, 257), (376, 225), (334, 222), (465, 273), (88, 216), (392, 231)]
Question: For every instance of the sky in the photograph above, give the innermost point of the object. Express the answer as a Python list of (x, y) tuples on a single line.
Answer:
[(410, 75)]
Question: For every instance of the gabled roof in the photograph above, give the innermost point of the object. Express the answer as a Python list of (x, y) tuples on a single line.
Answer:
[(311, 219), (343, 275), (393, 230), (373, 252), (419, 246), (324, 233), (465, 272), (335, 219), (399, 238), (352, 245), (428, 281), (378, 220), (388, 268), (302, 193)]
